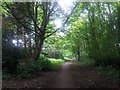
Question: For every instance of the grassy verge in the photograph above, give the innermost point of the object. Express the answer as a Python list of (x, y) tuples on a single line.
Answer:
[(55, 62)]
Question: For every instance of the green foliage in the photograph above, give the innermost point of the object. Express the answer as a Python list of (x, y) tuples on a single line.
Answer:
[(6, 76), (53, 47), (28, 67), (109, 61), (55, 54), (56, 61), (45, 65), (93, 31), (11, 56), (86, 61), (67, 58), (94, 35)]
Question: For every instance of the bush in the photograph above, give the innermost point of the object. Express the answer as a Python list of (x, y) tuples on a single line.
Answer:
[(109, 61), (6, 75), (44, 62), (10, 57), (45, 65), (55, 53), (28, 68)]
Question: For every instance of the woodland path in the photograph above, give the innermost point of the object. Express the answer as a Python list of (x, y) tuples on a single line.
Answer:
[(68, 75)]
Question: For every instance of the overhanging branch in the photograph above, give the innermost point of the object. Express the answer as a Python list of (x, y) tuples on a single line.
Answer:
[(11, 13), (68, 17)]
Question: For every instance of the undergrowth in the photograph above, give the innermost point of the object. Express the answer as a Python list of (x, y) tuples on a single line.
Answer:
[(110, 72), (28, 69)]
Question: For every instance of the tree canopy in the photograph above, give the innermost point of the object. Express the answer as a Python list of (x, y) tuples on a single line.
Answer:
[(79, 30)]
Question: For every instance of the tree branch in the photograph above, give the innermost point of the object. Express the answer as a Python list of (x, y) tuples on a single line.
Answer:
[(64, 22), (32, 17), (11, 13)]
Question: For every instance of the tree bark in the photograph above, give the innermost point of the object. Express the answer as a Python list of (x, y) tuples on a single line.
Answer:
[(38, 50), (78, 53)]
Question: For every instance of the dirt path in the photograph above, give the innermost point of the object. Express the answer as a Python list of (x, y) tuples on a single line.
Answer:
[(64, 78), (69, 75)]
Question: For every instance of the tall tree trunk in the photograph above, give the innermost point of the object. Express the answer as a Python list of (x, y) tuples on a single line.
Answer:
[(78, 53), (38, 50), (30, 47), (17, 36), (118, 16), (24, 37), (35, 27)]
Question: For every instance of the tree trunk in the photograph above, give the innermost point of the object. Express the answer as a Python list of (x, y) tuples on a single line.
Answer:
[(30, 44), (78, 53), (17, 36), (118, 11), (38, 50), (24, 37)]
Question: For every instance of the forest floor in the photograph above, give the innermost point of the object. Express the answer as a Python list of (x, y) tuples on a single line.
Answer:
[(68, 75)]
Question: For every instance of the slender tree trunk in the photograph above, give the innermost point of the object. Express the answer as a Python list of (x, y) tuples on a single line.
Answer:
[(118, 16), (24, 37), (30, 47), (78, 53), (17, 36)]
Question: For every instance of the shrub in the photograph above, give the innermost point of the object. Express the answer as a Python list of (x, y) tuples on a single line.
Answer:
[(44, 62), (6, 75), (45, 65), (108, 61), (26, 68), (55, 53), (10, 57)]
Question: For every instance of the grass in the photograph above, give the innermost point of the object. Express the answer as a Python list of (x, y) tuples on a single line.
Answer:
[(56, 61)]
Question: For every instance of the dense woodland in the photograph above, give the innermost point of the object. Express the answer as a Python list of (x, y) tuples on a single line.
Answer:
[(35, 33)]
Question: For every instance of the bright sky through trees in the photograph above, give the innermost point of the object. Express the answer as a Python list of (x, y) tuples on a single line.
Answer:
[(58, 23), (66, 7)]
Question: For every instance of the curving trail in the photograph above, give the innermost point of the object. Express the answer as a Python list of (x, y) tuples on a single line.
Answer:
[(68, 75)]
